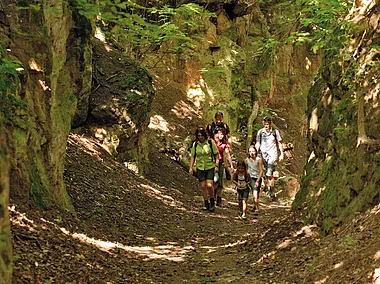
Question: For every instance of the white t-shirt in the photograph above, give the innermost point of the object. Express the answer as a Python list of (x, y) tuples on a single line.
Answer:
[(253, 167), (268, 141)]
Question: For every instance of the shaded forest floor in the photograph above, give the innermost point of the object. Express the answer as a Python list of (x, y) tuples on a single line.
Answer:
[(130, 229)]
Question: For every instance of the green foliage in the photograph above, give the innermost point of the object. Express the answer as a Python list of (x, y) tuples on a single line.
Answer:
[(348, 242), (140, 30), (311, 267), (9, 88), (320, 24)]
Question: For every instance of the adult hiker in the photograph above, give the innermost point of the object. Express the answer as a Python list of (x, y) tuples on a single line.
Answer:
[(255, 170), (225, 163), (242, 180), (204, 154), (212, 128), (267, 140)]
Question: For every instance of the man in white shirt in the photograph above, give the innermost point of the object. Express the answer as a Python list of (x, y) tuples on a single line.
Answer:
[(267, 140)]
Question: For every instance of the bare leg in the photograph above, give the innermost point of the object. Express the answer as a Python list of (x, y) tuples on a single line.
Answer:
[(256, 199), (204, 190), (244, 206), (240, 203)]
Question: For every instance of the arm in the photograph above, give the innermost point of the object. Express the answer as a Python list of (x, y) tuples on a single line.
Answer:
[(191, 165), (258, 139), (192, 160), (261, 172), (215, 151), (228, 158), (234, 178), (249, 178), (229, 140), (281, 147)]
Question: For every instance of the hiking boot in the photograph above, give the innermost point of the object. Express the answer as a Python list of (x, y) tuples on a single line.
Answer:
[(212, 205), (218, 201), (206, 205)]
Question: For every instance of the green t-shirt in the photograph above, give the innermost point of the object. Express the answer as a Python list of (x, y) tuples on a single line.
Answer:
[(205, 158)]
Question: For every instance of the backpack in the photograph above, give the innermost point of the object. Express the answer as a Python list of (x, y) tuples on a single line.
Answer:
[(210, 144), (212, 128)]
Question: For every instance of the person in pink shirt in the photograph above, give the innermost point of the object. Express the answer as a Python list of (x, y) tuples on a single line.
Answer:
[(225, 163)]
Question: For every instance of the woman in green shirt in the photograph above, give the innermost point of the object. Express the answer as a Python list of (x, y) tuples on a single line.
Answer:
[(204, 154)]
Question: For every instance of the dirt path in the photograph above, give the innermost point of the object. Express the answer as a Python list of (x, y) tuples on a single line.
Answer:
[(129, 229)]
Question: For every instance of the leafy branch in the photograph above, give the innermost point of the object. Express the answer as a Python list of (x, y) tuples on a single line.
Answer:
[(142, 30)]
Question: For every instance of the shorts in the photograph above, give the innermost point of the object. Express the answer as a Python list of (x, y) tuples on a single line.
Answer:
[(242, 194), (269, 164), (204, 175), (252, 185)]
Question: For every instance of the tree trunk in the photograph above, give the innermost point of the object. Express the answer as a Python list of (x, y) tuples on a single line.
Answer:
[(252, 118), (5, 231)]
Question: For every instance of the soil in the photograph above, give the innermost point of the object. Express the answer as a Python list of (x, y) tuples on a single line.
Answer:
[(133, 229)]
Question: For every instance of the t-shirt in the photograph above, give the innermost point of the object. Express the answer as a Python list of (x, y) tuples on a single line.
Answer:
[(212, 128), (205, 155), (222, 146), (241, 179), (253, 167), (268, 141), (241, 182)]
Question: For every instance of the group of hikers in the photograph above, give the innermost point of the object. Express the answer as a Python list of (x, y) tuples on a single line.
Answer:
[(211, 159)]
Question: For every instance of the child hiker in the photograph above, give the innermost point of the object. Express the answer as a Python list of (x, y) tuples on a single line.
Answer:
[(242, 180), (255, 170)]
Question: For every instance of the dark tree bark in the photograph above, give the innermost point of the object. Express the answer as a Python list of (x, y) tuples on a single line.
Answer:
[(5, 232)]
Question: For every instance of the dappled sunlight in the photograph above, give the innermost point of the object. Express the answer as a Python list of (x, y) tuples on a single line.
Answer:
[(44, 86), (157, 194), (100, 35), (339, 265), (307, 64), (284, 244), (211, 249), (166, 252), (183, 110), (307, 231), (169, 251), (313, 122), (320, 190), (196, 95), (373, 95), (322, 280), (377, 255), (271, 255), (376, 276), (33, 65), (132, 166), (110, 141), (157, 122), (86, 144), (21, 219)]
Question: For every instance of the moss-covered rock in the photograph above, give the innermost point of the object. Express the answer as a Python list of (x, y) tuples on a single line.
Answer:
[(343, 177)]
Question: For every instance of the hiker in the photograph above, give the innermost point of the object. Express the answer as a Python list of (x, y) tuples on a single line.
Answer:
[(267, 140), (204, 154), (255, 170), (212, 129), (225, 163), (242, 180)]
